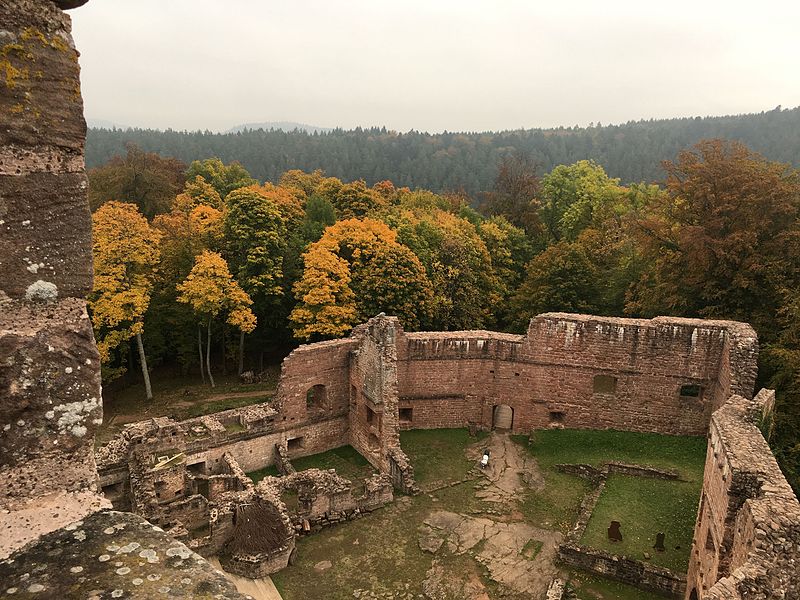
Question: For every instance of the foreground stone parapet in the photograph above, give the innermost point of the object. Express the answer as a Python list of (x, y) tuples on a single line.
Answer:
[(51, 406), (111, 555), (45, 225)]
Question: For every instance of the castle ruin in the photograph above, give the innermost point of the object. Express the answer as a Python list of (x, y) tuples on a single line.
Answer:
[(58, 528)]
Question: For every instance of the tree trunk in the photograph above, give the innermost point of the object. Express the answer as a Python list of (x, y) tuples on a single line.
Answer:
[(241, 352), (224, 350), (208, 354), (143, 361), (200, 349)]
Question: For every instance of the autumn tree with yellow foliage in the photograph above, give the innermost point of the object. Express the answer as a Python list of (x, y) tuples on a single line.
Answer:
[(356, 270), (125, 256), (211, 290)]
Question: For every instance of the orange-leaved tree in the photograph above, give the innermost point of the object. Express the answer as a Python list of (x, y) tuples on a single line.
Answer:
[(357, 269), (125, 250), (211, 290)]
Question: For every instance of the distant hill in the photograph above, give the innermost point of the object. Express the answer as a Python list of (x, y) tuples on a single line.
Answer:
[(633, 151), (279, 125)]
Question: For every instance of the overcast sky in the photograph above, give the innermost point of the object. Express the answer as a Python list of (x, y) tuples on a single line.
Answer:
[(433, 64)]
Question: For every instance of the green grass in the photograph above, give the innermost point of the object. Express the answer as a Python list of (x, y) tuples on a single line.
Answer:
[(270, 471), (557, 506), (377, 552), (380, 551), (345, 459), (531, 549), (592, 587), (644, 507), (437, 455), (685, 453), (206, 408)]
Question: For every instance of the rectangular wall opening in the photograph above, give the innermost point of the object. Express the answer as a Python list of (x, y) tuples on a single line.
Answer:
[(604, 384), (691, 390), (406, 415), (294, 443)]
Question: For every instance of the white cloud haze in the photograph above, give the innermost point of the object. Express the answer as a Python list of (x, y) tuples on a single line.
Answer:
[(432, 65)]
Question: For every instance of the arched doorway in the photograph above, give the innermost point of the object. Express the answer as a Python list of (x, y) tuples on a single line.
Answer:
[(503, 417)]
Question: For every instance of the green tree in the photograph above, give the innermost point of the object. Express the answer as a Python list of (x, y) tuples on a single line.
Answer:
[(256, 243), (223, 178)]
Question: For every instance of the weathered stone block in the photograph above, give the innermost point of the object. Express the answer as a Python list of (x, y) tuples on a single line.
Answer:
[(40, 97), (50, 400), (45, 235)]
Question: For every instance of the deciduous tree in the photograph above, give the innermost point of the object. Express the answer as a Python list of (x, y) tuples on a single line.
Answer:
[(125, 250), (211, 290)]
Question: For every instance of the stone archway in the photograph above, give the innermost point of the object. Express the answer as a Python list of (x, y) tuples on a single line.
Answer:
[(502, 417)]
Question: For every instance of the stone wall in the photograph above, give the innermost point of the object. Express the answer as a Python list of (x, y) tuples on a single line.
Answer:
[(50, 402), (578, 371), (637, 573), (747, 536), (49, 366)]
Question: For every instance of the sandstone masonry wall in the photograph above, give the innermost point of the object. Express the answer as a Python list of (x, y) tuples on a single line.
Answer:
[(747, 537), (547, 377)]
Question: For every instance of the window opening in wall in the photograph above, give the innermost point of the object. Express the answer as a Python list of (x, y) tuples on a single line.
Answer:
[(374, 442), (353, 392), (198, 468), (406, 415), (556, 416), (370, 415), (316, 397), (294, 443), (693, 595), (604, 384), (691, 390)]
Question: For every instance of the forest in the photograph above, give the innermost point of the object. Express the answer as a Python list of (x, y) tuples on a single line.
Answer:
[(443, 162), (204, 267)]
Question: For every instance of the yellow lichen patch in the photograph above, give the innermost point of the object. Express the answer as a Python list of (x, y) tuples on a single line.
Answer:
[(10, 73), (17, 109), (56, 42)]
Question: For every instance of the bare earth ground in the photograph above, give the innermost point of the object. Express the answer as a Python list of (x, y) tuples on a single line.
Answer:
[(517, 556)]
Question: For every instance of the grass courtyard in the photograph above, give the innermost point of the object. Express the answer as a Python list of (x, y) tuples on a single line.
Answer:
[(381, 552)]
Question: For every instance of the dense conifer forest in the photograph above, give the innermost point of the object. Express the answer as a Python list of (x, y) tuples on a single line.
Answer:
[(632, 152)]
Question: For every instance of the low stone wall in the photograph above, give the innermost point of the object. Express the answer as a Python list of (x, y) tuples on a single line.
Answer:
[(632, 572), (637, 573)]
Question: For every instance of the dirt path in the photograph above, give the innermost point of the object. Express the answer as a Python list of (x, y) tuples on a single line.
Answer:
[(517, 555), (510, 469)]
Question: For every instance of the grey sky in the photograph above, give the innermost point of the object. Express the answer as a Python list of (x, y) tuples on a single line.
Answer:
[(434, 64)]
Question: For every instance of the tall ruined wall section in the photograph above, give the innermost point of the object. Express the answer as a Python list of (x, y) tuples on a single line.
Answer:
[(49, 366), (314, 394), (373, 391), (747, 536), (578, 371)]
